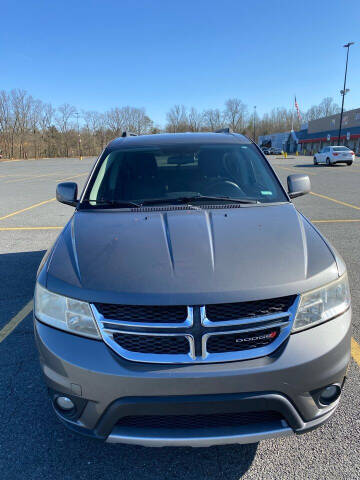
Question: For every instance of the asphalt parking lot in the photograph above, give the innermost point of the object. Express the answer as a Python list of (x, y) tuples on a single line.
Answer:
[(34, 445)]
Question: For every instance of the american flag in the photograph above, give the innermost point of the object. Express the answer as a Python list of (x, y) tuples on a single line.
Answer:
[(298, 110)]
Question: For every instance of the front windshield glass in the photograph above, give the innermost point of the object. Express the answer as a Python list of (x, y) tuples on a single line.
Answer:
[(167, 173)]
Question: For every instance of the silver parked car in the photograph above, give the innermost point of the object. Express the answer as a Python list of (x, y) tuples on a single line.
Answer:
[(188, 302), (265, 150), (275, 151), (332, 155)]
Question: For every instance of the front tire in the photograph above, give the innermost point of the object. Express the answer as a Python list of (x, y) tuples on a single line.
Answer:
[(349, 163), (328, 164), (315, 161)]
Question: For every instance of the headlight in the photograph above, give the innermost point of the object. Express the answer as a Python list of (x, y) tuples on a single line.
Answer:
[(322, 304), (65, 313)]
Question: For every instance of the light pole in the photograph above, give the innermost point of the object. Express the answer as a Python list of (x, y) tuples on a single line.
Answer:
[(255, 123), (79, 137), (345, 90)]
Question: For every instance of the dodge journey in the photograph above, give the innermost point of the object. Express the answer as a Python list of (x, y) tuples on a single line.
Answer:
[(187, 301)]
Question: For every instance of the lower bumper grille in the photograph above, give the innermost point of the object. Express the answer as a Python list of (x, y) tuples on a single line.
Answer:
[(217, 420)]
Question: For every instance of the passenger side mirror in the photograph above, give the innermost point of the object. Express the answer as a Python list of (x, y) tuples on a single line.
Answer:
[(66, 192), (298, 184)]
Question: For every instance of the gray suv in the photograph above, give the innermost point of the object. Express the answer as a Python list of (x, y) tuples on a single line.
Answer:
[(188, 302)]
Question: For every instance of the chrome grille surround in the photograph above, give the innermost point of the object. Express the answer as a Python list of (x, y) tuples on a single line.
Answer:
[(197, 329)]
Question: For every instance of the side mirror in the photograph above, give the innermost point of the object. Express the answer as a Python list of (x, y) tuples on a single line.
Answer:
[(298, 184), (67, 193)]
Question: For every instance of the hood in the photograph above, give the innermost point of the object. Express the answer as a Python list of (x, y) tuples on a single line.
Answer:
[(189, 256)]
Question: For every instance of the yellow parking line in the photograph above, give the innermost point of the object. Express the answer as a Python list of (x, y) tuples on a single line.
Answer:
[(348, 220), (19, 160), (355, 351), (27, 208), (12, 175), (297, 170), (22, 175), (73, 176), (2, 229), (335, 201), (32, 177), (14, 322)]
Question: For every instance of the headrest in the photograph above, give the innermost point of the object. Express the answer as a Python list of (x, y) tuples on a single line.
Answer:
[(210, 163), (142, 164)]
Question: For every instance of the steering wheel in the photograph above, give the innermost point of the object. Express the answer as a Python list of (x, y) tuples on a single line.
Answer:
[(225, 188)]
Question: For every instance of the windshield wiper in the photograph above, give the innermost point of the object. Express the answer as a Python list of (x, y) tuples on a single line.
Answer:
[(114, 203), (194, 198), (159, 201), (215, 197)]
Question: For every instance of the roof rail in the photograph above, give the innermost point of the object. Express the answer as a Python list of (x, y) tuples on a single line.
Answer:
[(224, 130), (129, 134)]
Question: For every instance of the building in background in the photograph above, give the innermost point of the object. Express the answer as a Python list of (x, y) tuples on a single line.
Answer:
[(318, 134), (286, 141)]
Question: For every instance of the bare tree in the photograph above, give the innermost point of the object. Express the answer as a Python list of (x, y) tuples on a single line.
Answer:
[(5, 122), (176, 119), (326, 107), (21, 104), (114, 120), (128, 119), (63, 119), (136, 120), (29, 127), (329, 107), (95, 131), (235, 114), (195, 120), (47, 129), (213, 119), (35, 113)]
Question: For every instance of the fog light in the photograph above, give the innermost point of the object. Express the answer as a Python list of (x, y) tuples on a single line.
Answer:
[(329, 394), (65, 403)]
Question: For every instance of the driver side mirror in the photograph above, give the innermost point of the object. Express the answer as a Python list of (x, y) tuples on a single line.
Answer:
[(298, 185), (66, 192)]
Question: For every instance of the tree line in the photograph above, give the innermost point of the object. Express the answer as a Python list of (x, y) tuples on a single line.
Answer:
[(30, 128)]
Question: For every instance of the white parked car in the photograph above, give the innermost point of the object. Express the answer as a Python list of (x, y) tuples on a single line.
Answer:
[(332, 155)]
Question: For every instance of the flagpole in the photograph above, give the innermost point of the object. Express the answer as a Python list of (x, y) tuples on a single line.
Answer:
[(292, 116)]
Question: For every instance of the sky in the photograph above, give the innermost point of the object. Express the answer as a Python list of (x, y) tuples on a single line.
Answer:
[(99, 54)]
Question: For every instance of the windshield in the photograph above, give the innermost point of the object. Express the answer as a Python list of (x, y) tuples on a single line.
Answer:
[(183, 171), (340, 149)]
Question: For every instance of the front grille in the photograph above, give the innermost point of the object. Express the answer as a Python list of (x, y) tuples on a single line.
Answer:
[(216, 420), (203, 334), (151, 344), (232, 311), (143, 313), (236, 342)]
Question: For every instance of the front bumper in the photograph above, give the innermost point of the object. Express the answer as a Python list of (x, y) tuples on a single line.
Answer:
[(110, 388)]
